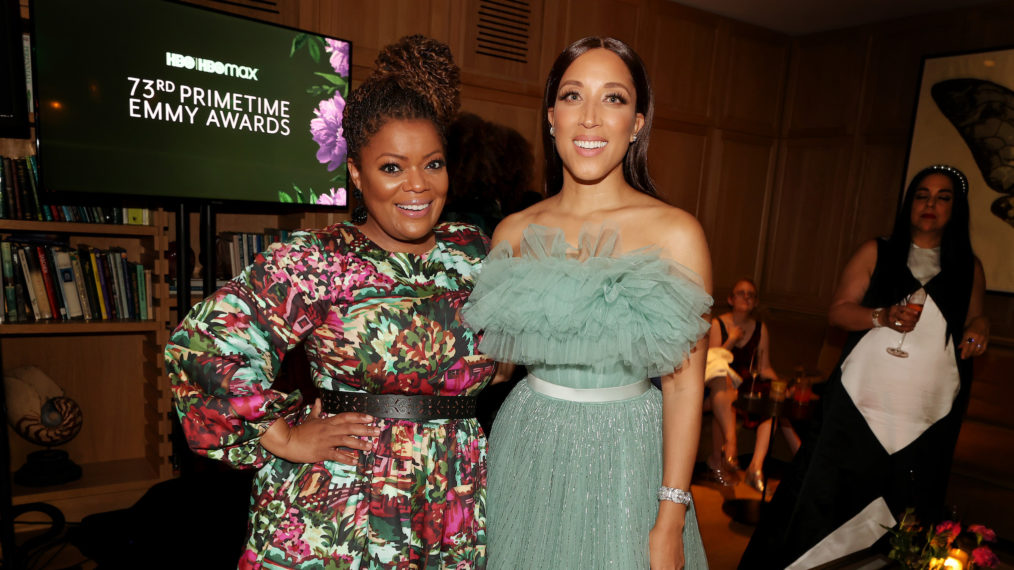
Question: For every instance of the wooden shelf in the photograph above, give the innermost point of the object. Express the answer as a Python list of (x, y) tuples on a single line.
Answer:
[(50, 327), (76, 228), (112, 369), (107, 485)]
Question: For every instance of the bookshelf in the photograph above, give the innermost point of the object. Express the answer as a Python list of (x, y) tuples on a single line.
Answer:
[(112, 368)]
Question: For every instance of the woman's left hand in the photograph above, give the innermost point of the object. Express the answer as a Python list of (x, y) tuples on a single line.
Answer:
[(975, 340), (665, 548)]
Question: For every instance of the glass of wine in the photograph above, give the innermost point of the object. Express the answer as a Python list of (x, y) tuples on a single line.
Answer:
[(915, 301), (754, 373)]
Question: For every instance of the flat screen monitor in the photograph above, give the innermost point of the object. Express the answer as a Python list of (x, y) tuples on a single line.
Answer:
[(158, 100)]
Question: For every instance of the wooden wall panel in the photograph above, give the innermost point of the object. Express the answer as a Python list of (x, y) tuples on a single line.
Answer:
[(734, 210), (679, 52), (754, 64), (825, 84), (881, 168), (987, 27), (580, 18), (897, 50), (372, 25), (806, 224), (521, 74), (285, 12), (525, 119), (677, 159)]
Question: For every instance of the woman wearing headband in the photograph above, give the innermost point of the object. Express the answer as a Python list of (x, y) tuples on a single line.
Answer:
[(893, 408)]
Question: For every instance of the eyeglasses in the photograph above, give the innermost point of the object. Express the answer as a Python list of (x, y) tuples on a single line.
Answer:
[(745, 294)]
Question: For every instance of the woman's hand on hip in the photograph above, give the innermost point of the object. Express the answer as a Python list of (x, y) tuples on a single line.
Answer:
[(336, 438)]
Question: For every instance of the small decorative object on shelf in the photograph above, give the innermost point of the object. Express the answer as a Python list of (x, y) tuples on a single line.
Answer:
[(39, 411), (917, 547)]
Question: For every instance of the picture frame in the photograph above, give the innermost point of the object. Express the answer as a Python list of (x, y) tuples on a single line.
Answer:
[(964, 117)]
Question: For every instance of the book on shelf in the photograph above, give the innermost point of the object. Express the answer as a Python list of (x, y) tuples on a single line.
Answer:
[(34, 285), (10, 292), (15, 210), (80, 285), (68, 282), (4, 190), (101, 293), (54, 294), (144, 283), (85, 259)]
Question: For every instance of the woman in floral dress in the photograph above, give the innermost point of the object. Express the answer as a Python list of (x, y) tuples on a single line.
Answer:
[(376, 304)]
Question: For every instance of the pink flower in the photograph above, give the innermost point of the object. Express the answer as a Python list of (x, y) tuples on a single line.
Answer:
[(339, 51), (982, 532), (949, 527), (983, 556), (337, 197), (326, 130), (455, 518)]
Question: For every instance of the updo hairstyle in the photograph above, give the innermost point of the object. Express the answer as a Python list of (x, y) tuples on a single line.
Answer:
[(415, 78)]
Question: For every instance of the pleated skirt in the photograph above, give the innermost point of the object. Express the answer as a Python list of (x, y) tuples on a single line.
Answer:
[(574, 484)]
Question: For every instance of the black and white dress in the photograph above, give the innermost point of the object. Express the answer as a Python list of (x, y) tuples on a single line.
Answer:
[(886, 434)]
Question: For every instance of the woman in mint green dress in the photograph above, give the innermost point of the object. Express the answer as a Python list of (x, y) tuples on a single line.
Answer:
[(595, 289)]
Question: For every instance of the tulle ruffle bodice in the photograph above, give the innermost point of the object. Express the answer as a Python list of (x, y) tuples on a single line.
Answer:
[(586, 316)]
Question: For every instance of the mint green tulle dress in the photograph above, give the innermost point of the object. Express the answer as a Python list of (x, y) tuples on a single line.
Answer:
[(573, 484)]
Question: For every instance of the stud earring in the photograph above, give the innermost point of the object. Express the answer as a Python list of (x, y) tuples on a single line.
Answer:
[(552, 131), (633, 139), (359, 212)]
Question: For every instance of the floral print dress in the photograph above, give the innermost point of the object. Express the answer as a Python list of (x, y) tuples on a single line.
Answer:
[(372, 321)]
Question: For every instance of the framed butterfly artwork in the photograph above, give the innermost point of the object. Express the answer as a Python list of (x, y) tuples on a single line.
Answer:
[(965, 118)]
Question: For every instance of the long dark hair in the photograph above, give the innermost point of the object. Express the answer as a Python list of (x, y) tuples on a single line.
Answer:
[(955, 243), (635, 163)]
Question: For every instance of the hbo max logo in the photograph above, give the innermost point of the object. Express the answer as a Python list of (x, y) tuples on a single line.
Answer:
[(210, 66)]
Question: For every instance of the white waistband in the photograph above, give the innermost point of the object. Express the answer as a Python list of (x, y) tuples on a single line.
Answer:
[(588, 394)]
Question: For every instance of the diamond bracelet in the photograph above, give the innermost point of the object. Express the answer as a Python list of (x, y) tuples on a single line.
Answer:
[(675, 495)]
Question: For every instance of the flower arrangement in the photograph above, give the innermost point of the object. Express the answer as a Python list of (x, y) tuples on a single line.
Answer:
[(944, 546)]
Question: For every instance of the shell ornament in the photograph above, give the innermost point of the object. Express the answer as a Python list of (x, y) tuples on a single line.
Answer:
[(38, 410)]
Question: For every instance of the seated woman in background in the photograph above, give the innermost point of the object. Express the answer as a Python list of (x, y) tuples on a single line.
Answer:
[(739, 332)]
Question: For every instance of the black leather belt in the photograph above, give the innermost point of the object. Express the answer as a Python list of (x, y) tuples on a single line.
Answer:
[(399, 406)]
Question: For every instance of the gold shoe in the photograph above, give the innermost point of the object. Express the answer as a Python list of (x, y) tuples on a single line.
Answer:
[(730, 463), (755, 479), (720, 476)]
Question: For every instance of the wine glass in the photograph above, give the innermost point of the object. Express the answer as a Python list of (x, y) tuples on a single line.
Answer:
[(915, 301), (754, 373)]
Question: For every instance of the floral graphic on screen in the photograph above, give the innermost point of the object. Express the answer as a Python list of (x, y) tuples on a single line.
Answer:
[(325, 127)]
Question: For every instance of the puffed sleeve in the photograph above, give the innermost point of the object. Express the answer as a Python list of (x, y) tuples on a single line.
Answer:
[(224, 356)]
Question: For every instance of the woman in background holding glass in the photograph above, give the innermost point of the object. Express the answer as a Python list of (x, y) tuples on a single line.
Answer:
[(889, 425)]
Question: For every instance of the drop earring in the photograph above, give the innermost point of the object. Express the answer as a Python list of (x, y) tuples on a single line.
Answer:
[(359, 212), (552, 131)]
